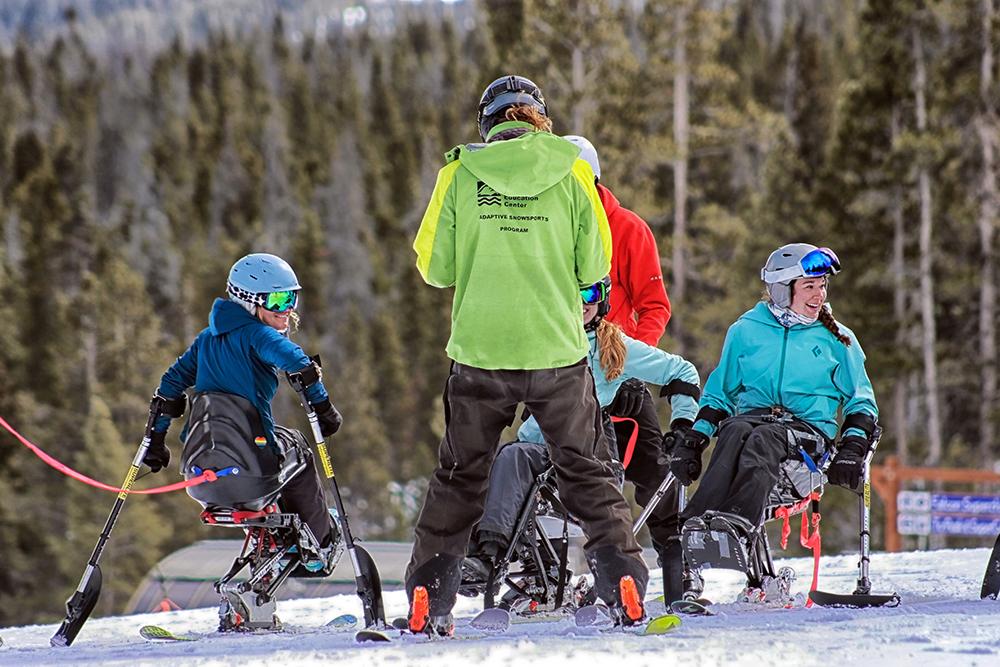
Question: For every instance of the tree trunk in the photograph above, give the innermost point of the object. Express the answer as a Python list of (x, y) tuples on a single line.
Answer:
[(929, 338), (899, 392), (578, 81), (987, 127), (681, 132)]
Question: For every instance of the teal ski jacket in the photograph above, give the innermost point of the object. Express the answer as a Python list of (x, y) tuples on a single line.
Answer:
[(642, 361), (802, 368)]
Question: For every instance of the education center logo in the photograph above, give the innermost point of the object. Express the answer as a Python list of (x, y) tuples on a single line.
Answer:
[(486, 196)]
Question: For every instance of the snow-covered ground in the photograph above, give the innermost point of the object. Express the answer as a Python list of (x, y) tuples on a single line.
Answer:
[(941, 621)]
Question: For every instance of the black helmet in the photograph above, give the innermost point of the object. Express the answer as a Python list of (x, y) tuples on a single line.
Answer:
[(599, 293), (505, 92)]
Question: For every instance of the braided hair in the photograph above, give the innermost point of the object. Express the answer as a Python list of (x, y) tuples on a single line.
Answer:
[(826, 319)]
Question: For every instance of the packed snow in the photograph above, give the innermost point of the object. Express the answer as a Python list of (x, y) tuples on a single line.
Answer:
[(941, 621)]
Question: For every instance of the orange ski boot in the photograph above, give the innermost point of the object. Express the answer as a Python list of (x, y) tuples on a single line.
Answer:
[(631, 601), (419, 610)]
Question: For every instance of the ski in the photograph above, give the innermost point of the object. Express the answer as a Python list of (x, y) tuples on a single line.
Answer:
[(343, 621), (661, 625), (484, 624), (691, 607), (155, 632), (991, 580), (592, 615), (854, 600), (598, 616), (158, 633), (491, 620)]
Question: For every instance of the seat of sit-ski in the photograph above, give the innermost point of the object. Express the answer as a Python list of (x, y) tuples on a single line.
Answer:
[(224, 434), (723, 541)]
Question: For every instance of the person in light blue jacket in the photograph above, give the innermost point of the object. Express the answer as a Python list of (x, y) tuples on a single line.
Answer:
[(787, 369), (613, 358)]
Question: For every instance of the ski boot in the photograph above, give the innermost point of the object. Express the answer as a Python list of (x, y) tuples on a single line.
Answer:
[(694, 585), (421, 622), (716, 539), (629, 609), (773, 591), (247, 612)]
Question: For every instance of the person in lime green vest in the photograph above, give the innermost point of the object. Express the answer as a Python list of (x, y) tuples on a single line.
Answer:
[(516, 227)]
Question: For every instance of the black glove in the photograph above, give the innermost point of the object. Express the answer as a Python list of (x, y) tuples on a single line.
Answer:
[(686, 460), (329, 419), (672, 438), (849, 463), (628, 400), (157, 455)]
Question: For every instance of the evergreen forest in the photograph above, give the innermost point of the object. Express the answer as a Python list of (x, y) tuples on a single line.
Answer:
[(134, 172)]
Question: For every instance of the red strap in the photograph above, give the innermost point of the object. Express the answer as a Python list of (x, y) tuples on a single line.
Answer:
[(814, 542), (784, 513), (631, 439), (207, 476)]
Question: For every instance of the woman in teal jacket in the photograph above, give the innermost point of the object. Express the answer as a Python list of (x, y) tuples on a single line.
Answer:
[(787, 368)]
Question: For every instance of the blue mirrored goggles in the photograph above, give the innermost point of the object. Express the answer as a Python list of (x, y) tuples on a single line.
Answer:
[(596, 293), (280, 302), (814, 264), (820, 262)]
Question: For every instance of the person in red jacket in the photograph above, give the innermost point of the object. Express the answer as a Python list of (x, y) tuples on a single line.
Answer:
[(640, 306)]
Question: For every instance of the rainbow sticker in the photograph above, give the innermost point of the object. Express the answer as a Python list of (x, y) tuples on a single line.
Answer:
[(260, 441)]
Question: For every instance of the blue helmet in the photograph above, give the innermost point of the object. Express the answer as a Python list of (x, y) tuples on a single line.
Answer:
[(255, 276)]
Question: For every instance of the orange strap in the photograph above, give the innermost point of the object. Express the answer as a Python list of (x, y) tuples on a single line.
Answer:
[(630, 448), (813, 541)]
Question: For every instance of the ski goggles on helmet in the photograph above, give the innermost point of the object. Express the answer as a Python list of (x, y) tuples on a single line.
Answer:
[(814, 264), (280, 302), (596, 293)]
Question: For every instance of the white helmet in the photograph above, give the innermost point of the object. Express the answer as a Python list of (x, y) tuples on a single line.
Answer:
[(587, 152), (791, 262)]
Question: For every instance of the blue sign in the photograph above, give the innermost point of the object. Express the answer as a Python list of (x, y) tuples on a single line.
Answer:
[(965, 525), (965, 504)]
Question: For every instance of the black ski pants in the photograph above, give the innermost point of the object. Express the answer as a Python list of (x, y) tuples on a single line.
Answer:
[(303, 494), (478, 405), (744, 467), (515, 468), (646, 473)]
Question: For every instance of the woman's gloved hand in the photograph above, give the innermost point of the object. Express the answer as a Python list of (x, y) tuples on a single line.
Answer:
[(686, 460)]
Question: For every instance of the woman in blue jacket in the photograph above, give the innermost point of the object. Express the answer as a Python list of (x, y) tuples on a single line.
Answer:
[(787, 367), (239, 354), (613, 359)]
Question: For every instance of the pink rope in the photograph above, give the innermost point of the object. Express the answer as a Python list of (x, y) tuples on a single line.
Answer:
[(207, 476)]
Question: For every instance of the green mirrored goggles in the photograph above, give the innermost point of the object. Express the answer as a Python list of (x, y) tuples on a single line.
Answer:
[(280, 302)]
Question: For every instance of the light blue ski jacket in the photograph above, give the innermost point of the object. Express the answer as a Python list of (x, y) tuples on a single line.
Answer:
[(803, 369), (642, 361)]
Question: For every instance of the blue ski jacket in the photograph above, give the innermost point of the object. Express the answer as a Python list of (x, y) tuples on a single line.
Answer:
[(801, 368), (236, 354), (642, 361)]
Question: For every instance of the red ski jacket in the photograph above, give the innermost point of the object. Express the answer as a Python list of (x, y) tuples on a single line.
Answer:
[(639, 302)]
